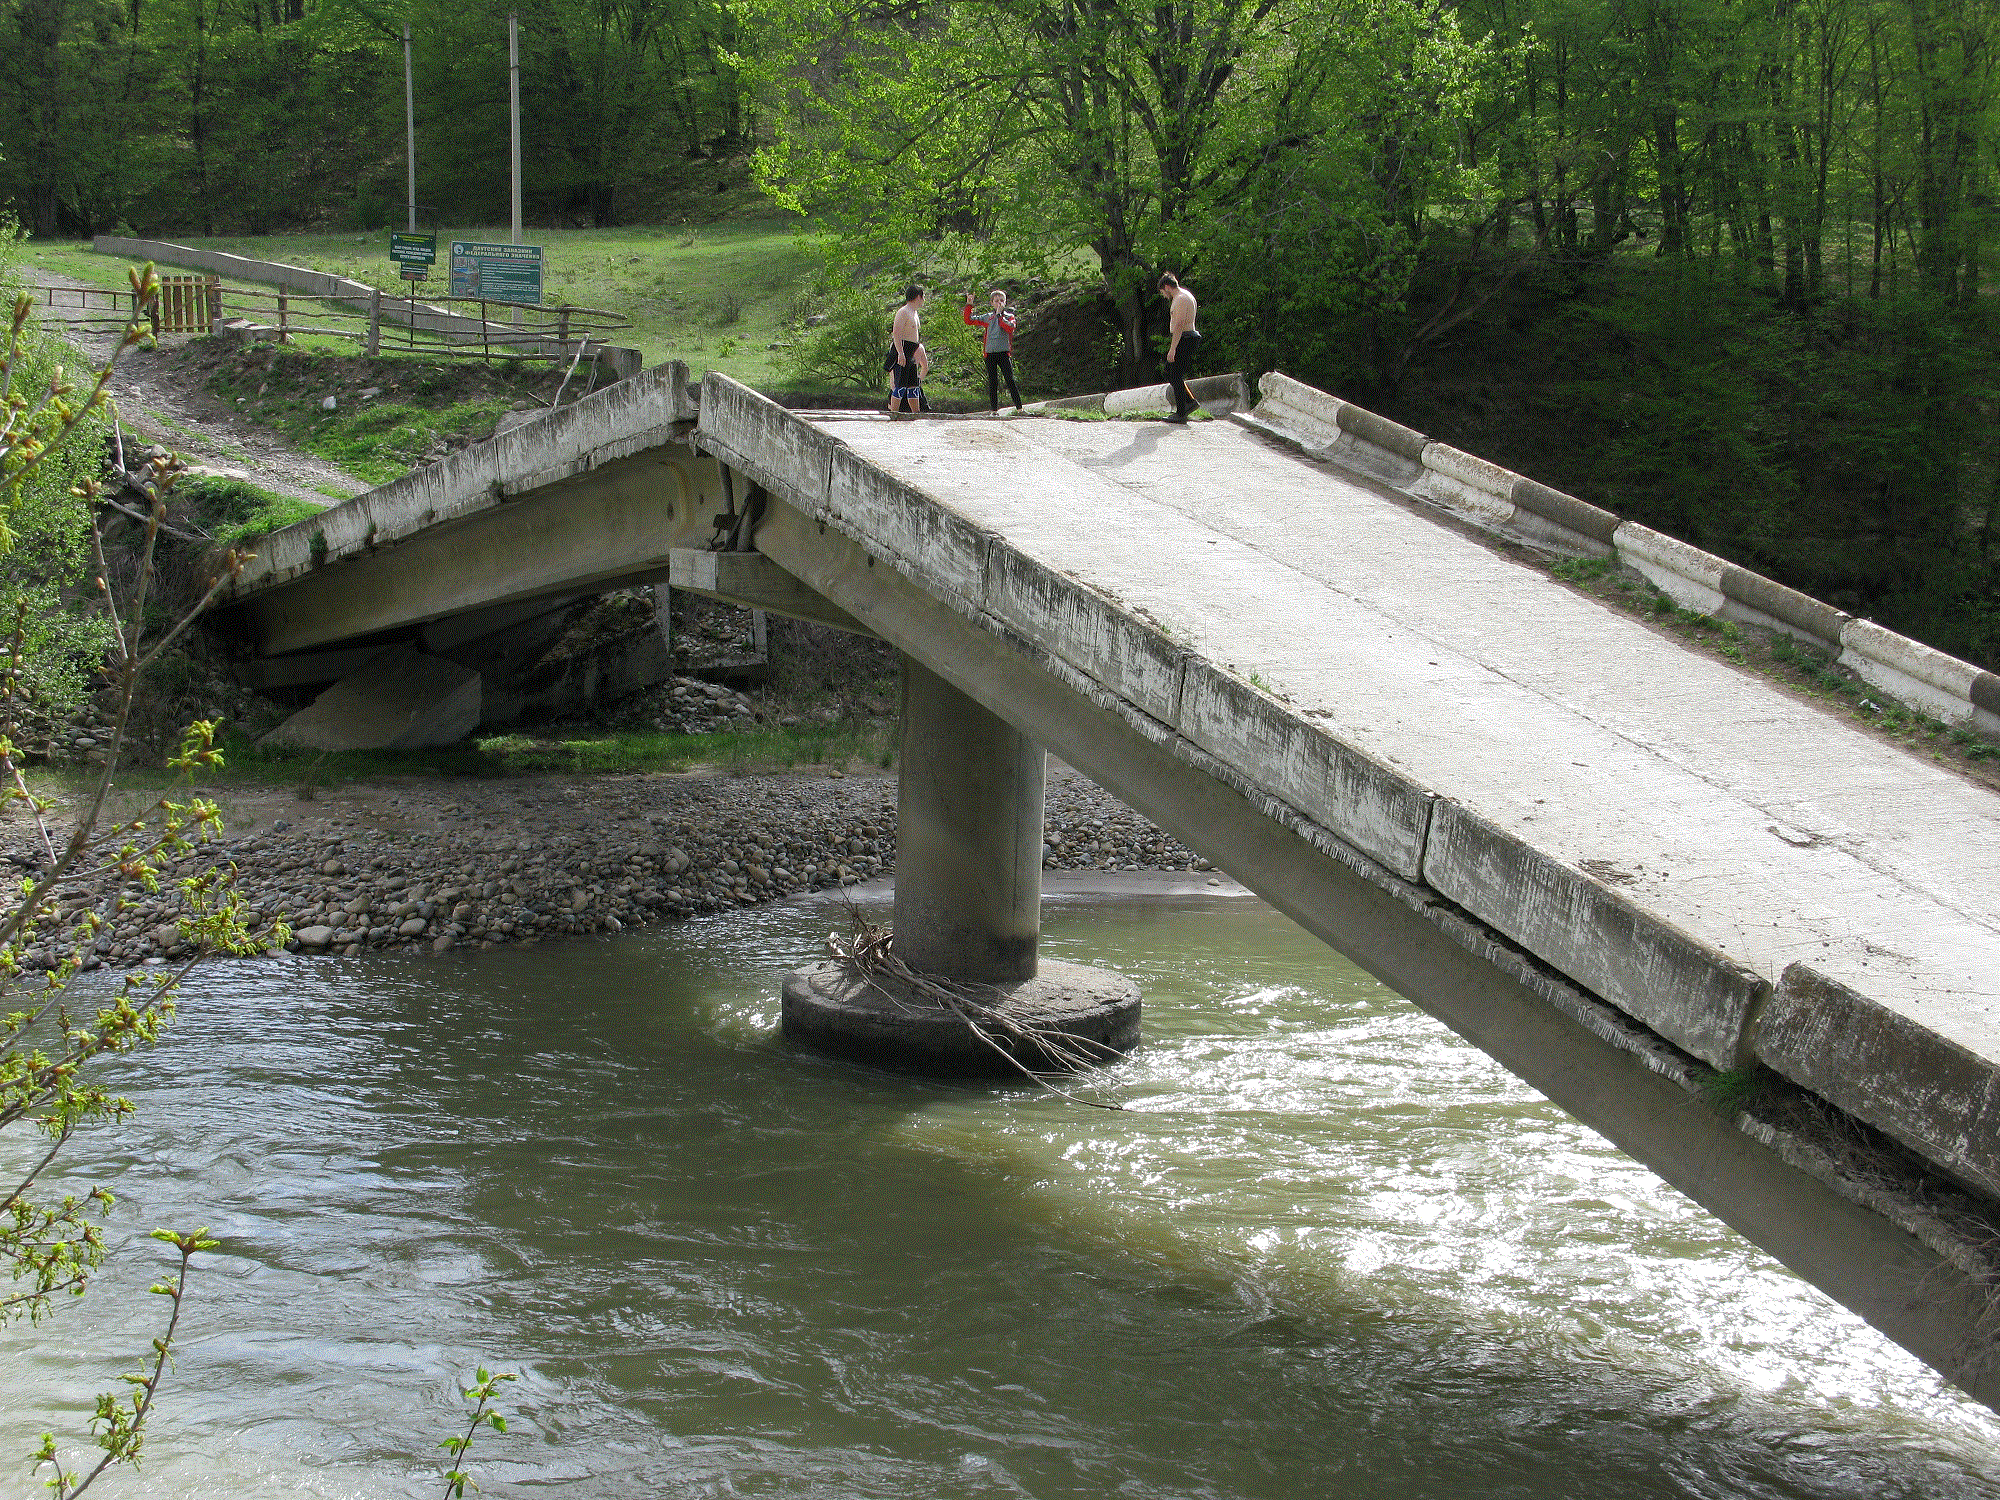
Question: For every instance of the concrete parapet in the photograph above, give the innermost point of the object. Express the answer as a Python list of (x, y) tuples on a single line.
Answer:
[(1218, 395), (756, 436), (1064, 620), (1909, 1080), (1471, 486), (1140, 398), (1913, 673), (1687, 575), (1754, 599), (1327, 428), (399, 700), (615, 422), (1309, 417), (1359, 800), (1695, 997), (1574, 521)]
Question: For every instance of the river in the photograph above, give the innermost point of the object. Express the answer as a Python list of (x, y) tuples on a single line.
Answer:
[(1326, 1250)]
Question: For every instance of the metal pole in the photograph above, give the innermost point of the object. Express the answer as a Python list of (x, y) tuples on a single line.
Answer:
[(514, 120), (410, 124), (514, 109)]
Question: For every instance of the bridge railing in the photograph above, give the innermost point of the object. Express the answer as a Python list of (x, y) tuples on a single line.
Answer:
[(1913, 674)]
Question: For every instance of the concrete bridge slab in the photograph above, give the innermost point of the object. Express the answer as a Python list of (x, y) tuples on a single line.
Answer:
[(1659, 826)]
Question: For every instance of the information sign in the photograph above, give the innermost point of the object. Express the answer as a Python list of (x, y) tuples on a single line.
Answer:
[(416, 273), (412, 249), (499, 273)]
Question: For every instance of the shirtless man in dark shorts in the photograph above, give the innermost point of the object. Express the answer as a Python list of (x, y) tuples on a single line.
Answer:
[(1183, 343), (907, 350)]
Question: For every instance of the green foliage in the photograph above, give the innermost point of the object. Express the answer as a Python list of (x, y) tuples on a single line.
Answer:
[(1000, 134), (236, 510), (119, 1427), (48, 429), (610, 752), (847, 349), (1738, 1090), (51, 1244), (204, 117), (1584, 569), (484, 1390)]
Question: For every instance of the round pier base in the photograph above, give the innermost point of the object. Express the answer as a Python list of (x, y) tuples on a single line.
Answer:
[(883, 1023)]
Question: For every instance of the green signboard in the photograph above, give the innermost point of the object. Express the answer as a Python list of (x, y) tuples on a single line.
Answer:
[(413, 249), (499, 273)]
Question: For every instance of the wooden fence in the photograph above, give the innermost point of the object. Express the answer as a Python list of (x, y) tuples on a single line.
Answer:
[(85, 306), (452, 327), (443, 327)]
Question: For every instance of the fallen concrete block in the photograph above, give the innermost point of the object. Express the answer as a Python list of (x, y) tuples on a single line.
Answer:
[(400, 699)]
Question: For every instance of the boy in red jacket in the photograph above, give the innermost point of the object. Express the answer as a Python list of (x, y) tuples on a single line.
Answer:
[(999, 326)]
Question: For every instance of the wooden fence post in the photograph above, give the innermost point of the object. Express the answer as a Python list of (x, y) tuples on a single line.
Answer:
[(284, 316), (374, 322)]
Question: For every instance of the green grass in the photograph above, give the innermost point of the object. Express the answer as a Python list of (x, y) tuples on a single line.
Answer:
[(715, 294), (608, 751), (383, 442), (382, 438), (1733, 1092), (235, 509)]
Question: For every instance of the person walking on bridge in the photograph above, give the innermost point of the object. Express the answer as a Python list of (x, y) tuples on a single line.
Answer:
[(1183, 343), (999, 326), (906, 351)]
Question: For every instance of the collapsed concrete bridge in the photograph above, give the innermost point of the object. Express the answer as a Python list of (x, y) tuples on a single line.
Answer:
[(1753, 945)]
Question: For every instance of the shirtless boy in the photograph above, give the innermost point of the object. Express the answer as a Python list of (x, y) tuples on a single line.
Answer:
[(907, 347), (1183, 343)]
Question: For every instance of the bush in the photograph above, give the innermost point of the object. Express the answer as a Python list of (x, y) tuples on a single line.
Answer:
[(45, 552), (848, 348)]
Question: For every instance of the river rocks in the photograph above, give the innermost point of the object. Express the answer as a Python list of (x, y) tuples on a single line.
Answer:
[(517, 860)]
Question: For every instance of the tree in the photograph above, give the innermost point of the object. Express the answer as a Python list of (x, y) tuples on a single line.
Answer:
[(987, 133), (52, 1244)]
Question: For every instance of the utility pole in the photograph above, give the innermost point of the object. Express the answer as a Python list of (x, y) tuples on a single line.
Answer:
[(514, 109), (410, 124)]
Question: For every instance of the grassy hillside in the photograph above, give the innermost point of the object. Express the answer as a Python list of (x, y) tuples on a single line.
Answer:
[(717, 294)]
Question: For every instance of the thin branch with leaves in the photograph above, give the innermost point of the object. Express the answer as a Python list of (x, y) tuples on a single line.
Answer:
[(484, 1414)]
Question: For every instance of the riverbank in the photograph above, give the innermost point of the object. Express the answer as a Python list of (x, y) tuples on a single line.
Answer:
[(432, 862)]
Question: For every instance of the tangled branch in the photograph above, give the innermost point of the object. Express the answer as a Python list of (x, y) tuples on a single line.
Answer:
[(866, 954)]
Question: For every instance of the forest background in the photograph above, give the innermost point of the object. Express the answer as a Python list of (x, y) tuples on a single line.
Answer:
[(1724, 266)]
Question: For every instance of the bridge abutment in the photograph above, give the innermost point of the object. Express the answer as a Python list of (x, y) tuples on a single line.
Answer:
[(967, 913)]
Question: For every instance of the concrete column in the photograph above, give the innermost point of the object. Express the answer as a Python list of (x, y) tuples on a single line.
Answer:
[(968, 837)]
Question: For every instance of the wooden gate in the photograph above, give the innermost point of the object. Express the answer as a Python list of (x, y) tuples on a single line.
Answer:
[(188, 304)]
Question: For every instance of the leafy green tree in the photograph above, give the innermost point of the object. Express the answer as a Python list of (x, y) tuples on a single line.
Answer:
[(50, 1244), (982, 134)]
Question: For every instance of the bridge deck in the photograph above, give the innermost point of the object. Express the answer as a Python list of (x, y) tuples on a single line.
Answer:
[(1760, 826)]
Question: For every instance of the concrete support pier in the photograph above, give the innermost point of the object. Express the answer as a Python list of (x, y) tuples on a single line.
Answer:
[(968, 837), (968, 910)]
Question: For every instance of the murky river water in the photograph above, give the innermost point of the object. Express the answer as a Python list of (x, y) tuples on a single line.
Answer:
[(1328, 1250)]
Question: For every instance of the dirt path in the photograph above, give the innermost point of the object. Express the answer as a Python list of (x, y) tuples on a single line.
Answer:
[(163, 399)]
